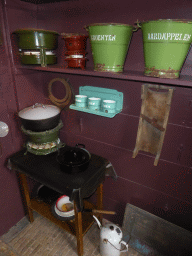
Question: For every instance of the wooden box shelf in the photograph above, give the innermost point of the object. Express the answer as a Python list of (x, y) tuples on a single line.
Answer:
[(44, 209)]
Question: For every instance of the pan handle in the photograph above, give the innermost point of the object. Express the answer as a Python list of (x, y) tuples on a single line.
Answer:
[(77, 145), (99, 211), (103, 211)]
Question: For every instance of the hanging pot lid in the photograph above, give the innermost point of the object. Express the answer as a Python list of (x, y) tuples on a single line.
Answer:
[(39, 112)]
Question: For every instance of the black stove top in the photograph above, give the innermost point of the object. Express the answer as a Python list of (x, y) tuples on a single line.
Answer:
[(46, 170)]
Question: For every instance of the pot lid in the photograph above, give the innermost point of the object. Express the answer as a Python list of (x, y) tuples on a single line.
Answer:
[(29, 30), (39, 112)]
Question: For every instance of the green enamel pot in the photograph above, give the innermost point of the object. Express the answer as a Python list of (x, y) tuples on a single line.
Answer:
[(109, 44), (43, 137), (31, 39), (166, 44), (47, 137)]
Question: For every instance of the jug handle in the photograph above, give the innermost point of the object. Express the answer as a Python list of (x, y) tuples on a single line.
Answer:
[(126, 245), (98, 222)]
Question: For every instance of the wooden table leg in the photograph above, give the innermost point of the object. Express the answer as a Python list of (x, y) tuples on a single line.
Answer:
[(79, 231), (100, 200), (25, 191)]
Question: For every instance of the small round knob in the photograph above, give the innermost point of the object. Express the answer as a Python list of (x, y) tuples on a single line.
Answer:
[(111, 227), (4, 129)]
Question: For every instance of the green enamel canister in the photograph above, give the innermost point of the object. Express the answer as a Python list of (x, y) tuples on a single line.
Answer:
[(109, 44), (31, 39), (37, 39), (166, 44)]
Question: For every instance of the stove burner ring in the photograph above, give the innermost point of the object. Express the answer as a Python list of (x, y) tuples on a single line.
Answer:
[(44, 148)]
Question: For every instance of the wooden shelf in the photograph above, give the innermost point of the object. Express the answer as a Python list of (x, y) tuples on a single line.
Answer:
[(69, 226), (183, 81), (43, 1)]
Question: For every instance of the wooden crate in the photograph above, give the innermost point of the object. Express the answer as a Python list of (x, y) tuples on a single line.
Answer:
[(153, 236)]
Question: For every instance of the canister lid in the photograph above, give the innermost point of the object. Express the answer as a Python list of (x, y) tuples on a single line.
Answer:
[(108, 24), (29, 30), (168, 20)]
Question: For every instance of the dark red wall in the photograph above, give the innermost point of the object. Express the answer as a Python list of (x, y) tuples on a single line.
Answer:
[(11, 206), (164, 190)]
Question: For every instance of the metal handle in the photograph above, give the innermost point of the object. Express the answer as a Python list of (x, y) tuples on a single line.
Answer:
[(135, 28), (77, 145), (38, 105), (126, 246), (103, 211), (87, 28), (138, 24), (43, 57), (122, 242), (99, 211)]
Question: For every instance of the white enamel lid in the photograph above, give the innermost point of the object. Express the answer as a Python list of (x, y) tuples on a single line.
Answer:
[(39, 112)]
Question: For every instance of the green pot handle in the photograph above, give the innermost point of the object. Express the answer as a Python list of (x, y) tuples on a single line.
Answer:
[(43, 57)]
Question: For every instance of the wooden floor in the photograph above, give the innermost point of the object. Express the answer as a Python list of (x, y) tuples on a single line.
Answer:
[(43, 238)]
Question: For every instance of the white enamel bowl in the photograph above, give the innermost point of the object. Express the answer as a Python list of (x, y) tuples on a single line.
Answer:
[(58, 207)]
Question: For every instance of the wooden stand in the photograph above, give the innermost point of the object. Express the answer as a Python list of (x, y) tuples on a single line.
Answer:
[(82, 222)]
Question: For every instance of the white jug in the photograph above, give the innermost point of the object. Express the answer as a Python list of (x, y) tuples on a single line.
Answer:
[(110, 239)]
